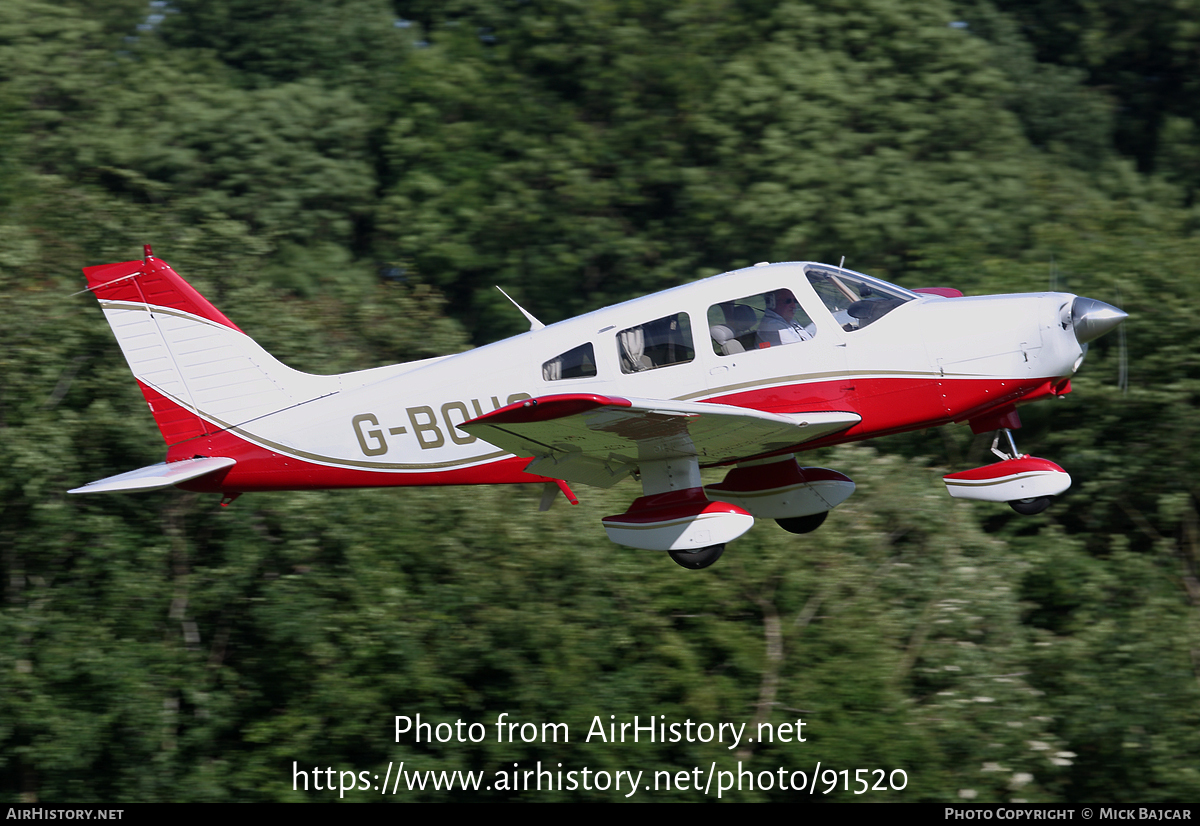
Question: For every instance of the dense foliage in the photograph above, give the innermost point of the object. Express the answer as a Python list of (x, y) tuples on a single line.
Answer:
[(347, 180)]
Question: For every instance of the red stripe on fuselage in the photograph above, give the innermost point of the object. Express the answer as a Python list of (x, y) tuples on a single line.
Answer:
[(892, 405), (887, 405), (261, 469)]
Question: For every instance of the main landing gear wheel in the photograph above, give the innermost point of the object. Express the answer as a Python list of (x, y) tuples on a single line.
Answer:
[(698, 559), (1028, 507), (803, 524)]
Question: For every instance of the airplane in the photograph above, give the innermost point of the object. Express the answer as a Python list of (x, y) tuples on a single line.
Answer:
[(797, 356)]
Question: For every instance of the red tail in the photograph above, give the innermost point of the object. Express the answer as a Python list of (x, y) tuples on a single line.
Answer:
[(153, 283)]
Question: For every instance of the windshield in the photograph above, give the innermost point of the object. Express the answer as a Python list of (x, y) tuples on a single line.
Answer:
[(854, 299)]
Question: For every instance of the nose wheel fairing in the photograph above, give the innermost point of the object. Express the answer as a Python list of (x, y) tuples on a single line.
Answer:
[(1027, 483), (1024, 477)]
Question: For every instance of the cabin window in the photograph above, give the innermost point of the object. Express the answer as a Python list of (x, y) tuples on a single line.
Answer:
[(756, 322), (659, 343), (577, 363), (856, 300)]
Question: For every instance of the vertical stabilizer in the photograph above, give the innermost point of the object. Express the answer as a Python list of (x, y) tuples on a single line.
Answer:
[(198, 371)]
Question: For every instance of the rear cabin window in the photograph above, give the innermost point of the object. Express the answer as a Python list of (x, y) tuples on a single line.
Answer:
[(756, 322), (659, 343), (576, 363)]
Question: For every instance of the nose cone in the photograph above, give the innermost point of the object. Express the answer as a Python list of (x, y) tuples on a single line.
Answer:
[(1091, 319)]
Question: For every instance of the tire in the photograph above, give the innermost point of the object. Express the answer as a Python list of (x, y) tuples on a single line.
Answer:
[(1029, 507), (695, 560), (803, 524)]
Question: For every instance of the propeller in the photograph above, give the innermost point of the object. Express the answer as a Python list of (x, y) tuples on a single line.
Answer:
[(1091, 319), (1122, 356)]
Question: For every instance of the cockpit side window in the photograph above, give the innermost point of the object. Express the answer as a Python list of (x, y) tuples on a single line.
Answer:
[(576, 363), (659, 343), (856, 300), (756, 322)]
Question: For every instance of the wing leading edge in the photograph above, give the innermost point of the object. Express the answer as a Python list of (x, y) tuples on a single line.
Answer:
[(599, 440)]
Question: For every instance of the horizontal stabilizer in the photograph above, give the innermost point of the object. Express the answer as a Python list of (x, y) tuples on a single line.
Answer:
[(162, 475)]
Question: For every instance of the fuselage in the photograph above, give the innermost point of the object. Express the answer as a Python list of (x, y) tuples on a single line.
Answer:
[(901, 360)]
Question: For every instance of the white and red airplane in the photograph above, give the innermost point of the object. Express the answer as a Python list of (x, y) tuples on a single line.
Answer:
[(797, 356)]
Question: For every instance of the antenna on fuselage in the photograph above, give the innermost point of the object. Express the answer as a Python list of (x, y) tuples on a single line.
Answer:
[(534, 324)]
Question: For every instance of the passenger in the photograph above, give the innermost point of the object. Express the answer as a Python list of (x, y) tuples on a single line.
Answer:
[(779, 325)]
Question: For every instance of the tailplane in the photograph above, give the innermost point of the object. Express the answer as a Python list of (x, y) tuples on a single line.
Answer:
[(162, 475)]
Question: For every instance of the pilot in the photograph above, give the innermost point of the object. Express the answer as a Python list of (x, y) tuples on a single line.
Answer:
[(779, 325)]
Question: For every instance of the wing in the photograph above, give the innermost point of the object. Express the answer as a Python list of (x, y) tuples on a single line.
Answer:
[(598, 440)]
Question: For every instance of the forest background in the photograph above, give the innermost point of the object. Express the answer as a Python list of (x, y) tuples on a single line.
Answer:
[(347, 180)]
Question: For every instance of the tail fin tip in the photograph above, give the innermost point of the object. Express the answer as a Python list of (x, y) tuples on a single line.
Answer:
[(151, 282)]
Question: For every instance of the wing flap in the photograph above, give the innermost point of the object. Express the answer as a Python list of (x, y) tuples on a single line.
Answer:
[(162, 475), (598, 440)]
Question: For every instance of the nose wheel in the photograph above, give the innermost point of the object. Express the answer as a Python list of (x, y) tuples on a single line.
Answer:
[(1026, 507), (700, 558), (1029, 507)]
